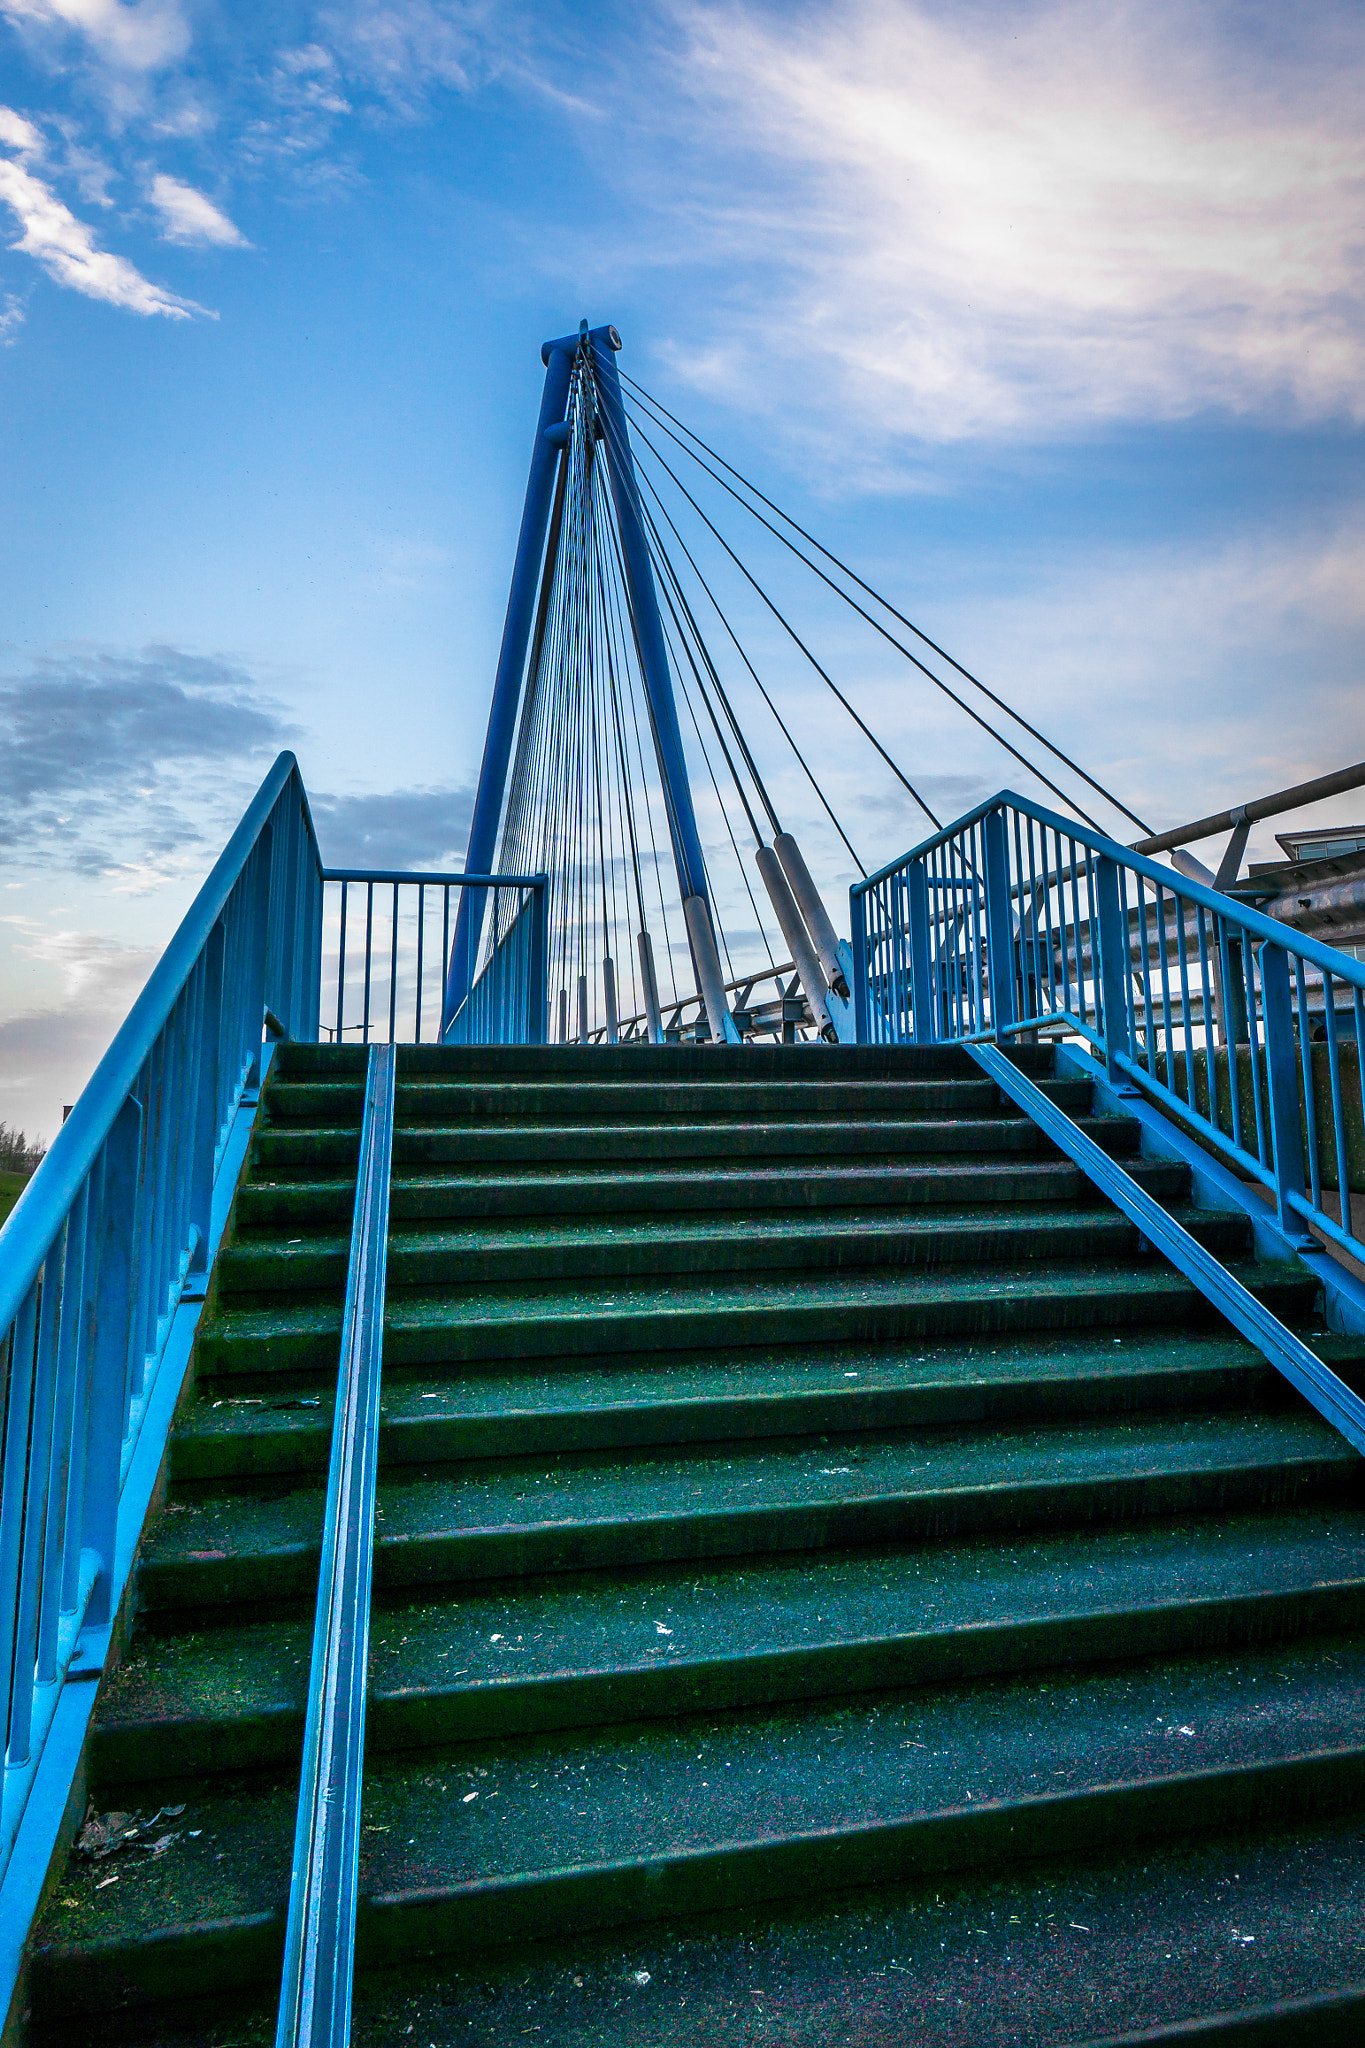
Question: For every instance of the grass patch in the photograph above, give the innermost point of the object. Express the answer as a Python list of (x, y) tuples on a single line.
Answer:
[(12, 1185)]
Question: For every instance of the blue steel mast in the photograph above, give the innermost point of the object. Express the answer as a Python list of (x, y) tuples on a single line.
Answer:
[(559, 356)]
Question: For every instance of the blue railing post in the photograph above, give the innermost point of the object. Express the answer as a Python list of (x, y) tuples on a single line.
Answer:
[(206, 1118), (259, 968), (999, 923), (1282, 1073), (857, 918), (1109, 963), (923, 1010), (121, 1240), (537, 994)]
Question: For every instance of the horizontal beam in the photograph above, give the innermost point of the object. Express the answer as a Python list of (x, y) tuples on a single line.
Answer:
[(401, 875), (1262, 807)]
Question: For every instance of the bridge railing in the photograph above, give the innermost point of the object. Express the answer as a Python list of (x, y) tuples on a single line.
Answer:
[(1014, 921), (113, 1231), (386, 945)]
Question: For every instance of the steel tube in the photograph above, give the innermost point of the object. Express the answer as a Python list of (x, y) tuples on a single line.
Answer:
[(1337, 784)]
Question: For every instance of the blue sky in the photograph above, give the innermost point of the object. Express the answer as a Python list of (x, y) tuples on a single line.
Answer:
[(1047, 316)]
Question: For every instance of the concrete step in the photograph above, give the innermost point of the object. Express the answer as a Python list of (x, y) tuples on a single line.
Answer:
[(603, 1511), (867, 1308), (529, 1655), (271, 1208), (435, 1100), (682, 1397), (555, 1835), (589, 1065), (647, 1250), (300, 1152)]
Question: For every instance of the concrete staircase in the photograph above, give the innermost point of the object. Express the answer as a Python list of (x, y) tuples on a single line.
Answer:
[(833, 1585)]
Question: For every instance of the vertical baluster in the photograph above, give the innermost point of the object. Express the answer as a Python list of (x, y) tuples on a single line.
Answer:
[(421, 932), (1049, 926), (1129, 993), (999, 923), (1207, 992), (1282, 1083), (85, 1355), (1186, 1015), (35, 1567), (114, 1302), (393, 970), (186, 1106), (1148, 1003), (152, 1085), (1244, 966), (18, 1409), (369, 948), (157, 1183), (1164, 965), (975, 860), (1109, 961), (857, 922), (540, 977), (1063, 925), (1310, 1106), (208, 1091), (63, 1419), (260, 955), (341, 966), (1338, 1108)]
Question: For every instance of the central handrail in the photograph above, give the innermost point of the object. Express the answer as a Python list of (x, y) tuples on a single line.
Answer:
[(319, 1954)]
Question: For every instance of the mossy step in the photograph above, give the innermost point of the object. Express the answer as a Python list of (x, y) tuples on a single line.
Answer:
[(1256, 1940), (681, 1398), (795, 1141), (606, 1511), (867, 1308), (590, 1064), (589, 1252), (620, 1101), (554, 1835), (268, 1207), (577, 1651)]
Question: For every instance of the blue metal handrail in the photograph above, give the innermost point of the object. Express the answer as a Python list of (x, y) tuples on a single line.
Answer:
[(110, 1235), (1014, 920), (319, 1954)]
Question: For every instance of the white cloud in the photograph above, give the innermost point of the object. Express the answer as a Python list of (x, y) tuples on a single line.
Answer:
[(96, 970), (67, 250), (17, 133), (11, 319), (142, 37), (187, 216), (986, 221)]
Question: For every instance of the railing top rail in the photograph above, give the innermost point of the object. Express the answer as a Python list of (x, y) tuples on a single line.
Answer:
[(432, 877), (28, 1232), (1253, 922)]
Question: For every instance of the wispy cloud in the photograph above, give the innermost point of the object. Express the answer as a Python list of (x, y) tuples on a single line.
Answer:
[(104, 755), (48, 1052), (144, 36), (65, 246), (985, 222), (396, 828), (188, 216)]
